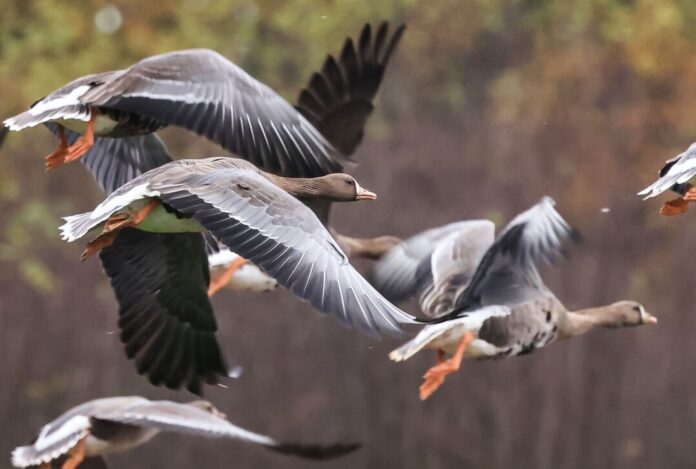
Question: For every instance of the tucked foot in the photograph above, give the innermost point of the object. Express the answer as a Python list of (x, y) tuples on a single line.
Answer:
[(102, 241), (435, 376), (57, 158), (219, 281), (76, 455), (675, 207), (84, 143), (123, 220)]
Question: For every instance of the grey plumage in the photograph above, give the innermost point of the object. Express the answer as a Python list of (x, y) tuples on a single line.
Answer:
[(394, 275), (199, 90), (676, 172), (244, 209), (120, 423)]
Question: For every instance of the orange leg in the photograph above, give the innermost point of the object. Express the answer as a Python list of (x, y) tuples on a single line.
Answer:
[(435, 376), (76, 455), (219, 281), (102, 241), (83, 143), (57, 158)]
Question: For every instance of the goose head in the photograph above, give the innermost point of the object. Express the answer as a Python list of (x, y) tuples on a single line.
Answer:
[(629, 313), (341, 187)]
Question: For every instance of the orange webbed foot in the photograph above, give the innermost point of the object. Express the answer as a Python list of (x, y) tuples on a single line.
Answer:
[(57, 158), (435, 376), (102, 241), (674, 207)]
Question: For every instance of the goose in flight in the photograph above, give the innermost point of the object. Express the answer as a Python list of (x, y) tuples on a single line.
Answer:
[(149, 234), (676, 175), (117, 424), (504, 308), (200, 90)]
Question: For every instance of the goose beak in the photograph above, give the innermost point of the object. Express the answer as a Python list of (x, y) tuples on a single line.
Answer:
[(363, 194), (649, 319)]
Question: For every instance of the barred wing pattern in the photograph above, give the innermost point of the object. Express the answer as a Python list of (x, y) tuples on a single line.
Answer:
[(507, 274), (202, 91), (264, 224)]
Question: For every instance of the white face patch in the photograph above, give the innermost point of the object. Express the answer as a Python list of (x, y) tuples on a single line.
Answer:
[(69, 99)]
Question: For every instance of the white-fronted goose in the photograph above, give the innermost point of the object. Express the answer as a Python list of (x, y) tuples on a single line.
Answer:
[(203, 92), (337, 101), (160, 274), (197, 89), (676, 175), (506, 310), (118, 424)]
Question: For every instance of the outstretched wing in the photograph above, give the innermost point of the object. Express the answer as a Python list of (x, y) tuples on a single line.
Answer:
[(200, 90), (507, 274), (191, 420), (262, 223), (115, 161), (394, 275), (167, 322), (338, 99)]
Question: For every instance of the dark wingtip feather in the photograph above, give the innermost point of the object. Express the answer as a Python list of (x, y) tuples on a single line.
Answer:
[(316, 452)]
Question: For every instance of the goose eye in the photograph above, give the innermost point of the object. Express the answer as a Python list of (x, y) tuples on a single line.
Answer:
[(349, 182)]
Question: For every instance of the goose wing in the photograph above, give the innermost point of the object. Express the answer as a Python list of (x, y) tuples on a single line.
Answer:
[(263, 223), (507, 274), (191, 420), (394, 275), (338, 99), (443, 275), (678, 170), (202, 91), (166, 320)]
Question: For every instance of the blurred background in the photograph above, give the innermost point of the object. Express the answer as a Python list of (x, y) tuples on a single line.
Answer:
[(486, 106)]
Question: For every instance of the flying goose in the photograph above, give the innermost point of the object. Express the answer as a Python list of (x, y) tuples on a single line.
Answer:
[(202, 91), (337, 101), (676, 175), (118, 424), (506, 310), (154, 253)]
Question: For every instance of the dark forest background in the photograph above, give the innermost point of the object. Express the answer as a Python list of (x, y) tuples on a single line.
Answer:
[(487, 106)]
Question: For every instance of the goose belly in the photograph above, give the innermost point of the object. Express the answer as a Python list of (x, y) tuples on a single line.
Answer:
[(161, 221), (103, 125), (121, 441)]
